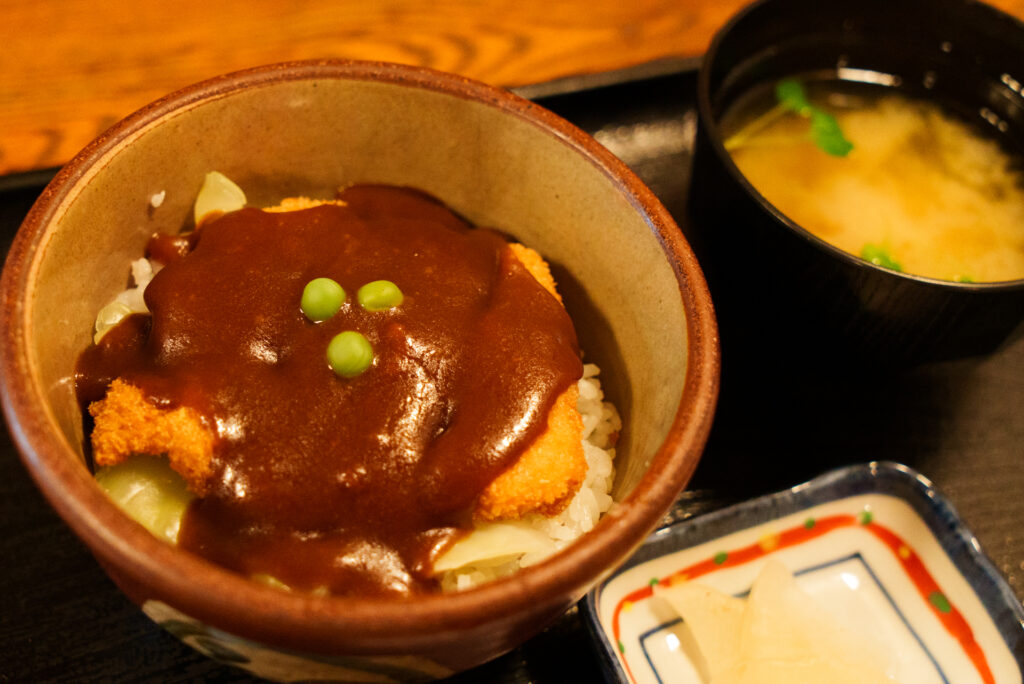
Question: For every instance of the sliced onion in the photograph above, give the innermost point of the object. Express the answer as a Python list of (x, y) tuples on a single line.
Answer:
[(493, 543), (149, 491), (219, 195), (108, 317)]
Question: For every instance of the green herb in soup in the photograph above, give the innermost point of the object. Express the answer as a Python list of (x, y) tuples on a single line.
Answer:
[(824, 130), (896, 181), (879, 256)]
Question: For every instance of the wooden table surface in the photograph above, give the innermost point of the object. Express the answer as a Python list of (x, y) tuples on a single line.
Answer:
[(71, 68)]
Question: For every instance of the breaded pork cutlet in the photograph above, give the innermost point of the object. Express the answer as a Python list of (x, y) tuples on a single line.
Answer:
[(127, 423), (543, 480)]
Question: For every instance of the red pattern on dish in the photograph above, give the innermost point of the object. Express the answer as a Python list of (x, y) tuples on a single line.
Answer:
[(952, 620)]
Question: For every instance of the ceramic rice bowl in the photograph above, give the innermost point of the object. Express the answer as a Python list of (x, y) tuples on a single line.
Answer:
[(629, 279)]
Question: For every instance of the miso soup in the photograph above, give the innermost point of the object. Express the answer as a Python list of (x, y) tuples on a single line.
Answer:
[(894, 180)]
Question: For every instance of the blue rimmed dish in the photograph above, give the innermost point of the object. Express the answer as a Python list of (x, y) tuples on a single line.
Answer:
[(876, 545)]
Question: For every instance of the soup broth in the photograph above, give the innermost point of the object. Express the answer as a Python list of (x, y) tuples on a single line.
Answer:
[(911, 188)]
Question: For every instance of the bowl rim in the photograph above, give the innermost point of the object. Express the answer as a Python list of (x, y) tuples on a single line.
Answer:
[(715, 137), (238, 605)]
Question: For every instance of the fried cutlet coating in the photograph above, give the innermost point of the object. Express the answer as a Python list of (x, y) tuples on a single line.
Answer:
[(127, 423), (297, 203), (544, 478), (550, 471), (537, 267), (547, 475)]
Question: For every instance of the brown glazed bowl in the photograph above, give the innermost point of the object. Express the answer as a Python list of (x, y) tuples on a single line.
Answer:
[(629, 279)]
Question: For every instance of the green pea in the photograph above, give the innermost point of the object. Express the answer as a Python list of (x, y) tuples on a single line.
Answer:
[(379, 295), (321, 299), (349, 354)]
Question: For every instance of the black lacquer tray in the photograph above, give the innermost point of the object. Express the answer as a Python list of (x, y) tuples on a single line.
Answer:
[(960, 423)]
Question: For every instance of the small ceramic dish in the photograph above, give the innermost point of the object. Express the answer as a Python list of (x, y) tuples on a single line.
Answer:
[(875, 544)]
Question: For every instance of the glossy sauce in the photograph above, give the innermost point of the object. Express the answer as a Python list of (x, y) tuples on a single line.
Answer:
[(355, 485)]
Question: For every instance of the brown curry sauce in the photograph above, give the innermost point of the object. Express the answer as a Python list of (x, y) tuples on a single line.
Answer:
[(355, 484)]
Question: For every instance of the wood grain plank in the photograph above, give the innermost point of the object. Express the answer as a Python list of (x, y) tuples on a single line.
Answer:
[(71, 68)]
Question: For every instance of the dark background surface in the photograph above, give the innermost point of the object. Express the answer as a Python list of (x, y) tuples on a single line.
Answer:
[(960, 423)]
